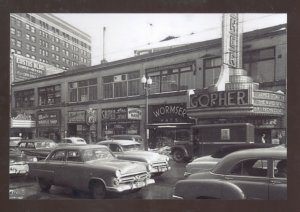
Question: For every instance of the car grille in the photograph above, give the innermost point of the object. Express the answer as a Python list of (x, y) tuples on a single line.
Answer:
[(159, 164), (134, 178)]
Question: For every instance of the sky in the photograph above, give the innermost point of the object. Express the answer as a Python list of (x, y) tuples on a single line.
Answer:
[(128, 32)]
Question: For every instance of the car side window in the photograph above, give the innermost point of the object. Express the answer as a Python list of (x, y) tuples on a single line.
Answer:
[(115, 148), (22, 145), (58, 156), (251, 167), (30, 145), (74, 155), (280, 168)]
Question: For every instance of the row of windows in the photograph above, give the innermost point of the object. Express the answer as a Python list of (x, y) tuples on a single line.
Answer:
[(44, 25), (260, 65)]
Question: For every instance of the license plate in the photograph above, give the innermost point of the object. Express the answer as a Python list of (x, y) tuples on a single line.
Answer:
[(139, 184)]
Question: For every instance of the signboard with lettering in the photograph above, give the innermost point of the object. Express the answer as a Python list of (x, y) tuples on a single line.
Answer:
[(76, 116), (220, 99), (169, 113), (91, 116), (114, 114), (26, 68), (48, 118), (134, 113), (231, 40)]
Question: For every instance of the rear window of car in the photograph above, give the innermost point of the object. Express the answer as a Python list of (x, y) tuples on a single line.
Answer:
[(80, 140)]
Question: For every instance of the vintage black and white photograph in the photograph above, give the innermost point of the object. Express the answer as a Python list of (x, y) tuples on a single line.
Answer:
[(148, 106)]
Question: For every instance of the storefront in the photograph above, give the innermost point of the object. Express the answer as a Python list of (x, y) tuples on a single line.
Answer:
[(168, 122), (83, 124), (48, 124), (23, 125), (120, 121)]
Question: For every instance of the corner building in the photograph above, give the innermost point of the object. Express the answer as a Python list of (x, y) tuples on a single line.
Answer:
[(109, 99)]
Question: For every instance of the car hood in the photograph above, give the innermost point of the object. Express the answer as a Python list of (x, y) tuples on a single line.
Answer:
[(202, 164), (144, 156), (126, 167)]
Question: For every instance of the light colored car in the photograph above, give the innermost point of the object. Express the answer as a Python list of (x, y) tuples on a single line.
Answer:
[(89, 168), (136, 138), (38, 147), (208, 162), (73, 140), (18, 162), (131, 150), (245, 174)]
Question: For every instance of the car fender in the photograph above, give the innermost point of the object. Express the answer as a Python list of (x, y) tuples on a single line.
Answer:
[(208, 189), (93, 179)]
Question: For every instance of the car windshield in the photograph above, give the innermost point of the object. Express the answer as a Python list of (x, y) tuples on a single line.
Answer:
[(96, 154), (131, 147), (44, 144)]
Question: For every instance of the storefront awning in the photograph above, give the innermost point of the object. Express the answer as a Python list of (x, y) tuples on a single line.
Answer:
[(169, 125)]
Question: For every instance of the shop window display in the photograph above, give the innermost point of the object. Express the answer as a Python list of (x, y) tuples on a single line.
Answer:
[(24, 98)]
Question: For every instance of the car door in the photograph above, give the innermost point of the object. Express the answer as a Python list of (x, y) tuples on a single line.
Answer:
[(74, 170), (278, 183), (56, 163), (251, 176)]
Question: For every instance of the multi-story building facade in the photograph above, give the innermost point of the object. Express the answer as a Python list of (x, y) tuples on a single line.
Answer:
[(109, 98), (50, 41)]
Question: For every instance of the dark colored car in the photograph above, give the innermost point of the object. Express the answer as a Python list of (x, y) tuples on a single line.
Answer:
[(208, 162), (89, 168), (38, 147), (258, 174)]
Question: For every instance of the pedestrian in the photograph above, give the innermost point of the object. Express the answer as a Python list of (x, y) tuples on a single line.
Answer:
[(263, 138)]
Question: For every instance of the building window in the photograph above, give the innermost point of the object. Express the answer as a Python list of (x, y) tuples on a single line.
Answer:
[(121, 85), (57, 48), (19, 33), (13, 41), (52, 47), (260, 64), (24, 98), (32, 29), (83, 91), (49, 95), (19, 23), (212, 69), (28, 47), (33, 48), (27, 26), (19, 43), (172, 78), (18, 52), (12, 31), (27, 37), (33, 39)]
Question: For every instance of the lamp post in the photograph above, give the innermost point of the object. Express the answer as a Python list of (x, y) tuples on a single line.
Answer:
[(146, 83)]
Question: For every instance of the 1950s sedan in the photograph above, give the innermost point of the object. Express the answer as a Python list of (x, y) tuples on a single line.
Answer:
[(89, 168), (246, 174), (131, 150)]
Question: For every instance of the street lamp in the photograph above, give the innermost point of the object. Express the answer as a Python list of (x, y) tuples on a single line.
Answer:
[(146, 83)]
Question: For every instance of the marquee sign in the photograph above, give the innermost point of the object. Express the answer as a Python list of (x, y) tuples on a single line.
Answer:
[(168, 113), (220, 99)]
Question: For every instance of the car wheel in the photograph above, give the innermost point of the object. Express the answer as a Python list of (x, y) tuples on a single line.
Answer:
[(44, 185), (178, 155), (98, 190)]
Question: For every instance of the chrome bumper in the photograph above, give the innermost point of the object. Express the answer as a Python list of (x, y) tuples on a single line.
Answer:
[(176, 197), (186, 174), (159, 169), (132, 186)]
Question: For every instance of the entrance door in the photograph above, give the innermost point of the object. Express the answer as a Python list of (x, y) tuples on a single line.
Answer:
[(71, 130), (259, 133)]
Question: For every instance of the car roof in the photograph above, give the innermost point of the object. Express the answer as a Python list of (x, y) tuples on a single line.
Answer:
[(125, 135), (73, 138), (223, 151), (37, 140), (260, 153), (120, 142), (80, 147)]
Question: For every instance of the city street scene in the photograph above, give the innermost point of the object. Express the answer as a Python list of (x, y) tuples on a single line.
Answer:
[(148, 106)]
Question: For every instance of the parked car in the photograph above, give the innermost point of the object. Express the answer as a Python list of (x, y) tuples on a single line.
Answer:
[(245, 174), (131, 150), (136, 138), (38, 147), (89, 168), (208, 162), (18, 162), (73, 140), (14, 141)]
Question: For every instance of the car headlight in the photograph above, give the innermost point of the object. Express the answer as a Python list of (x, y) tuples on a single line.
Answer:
[(118, 173), (115, 181), (167, 159)]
